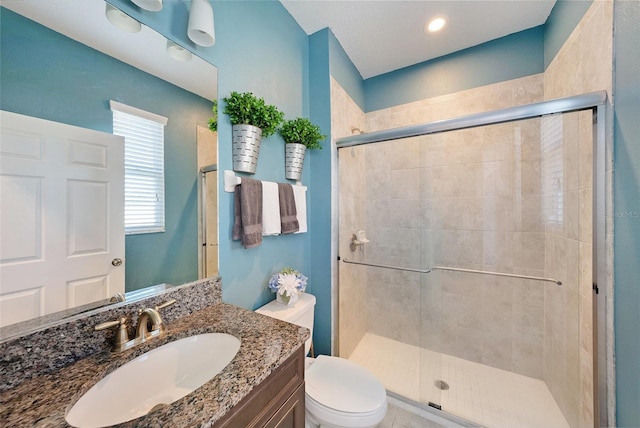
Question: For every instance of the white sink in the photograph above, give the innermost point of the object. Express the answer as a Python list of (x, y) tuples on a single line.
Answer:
[(160, 376)]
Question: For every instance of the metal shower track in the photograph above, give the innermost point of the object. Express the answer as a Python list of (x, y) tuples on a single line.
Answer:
[(561, 105)]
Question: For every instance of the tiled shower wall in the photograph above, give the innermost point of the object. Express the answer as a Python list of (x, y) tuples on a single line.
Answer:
[(584, 64), (468, 199), (352, 320), (486, 199)]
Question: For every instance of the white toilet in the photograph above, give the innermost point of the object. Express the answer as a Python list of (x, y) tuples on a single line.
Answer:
[(338, 393)]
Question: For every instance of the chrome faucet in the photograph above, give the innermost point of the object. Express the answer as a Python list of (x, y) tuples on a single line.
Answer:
[(143, 333)]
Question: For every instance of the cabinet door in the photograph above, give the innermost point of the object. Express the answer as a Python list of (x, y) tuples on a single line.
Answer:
[(291, 414), (257, 409)]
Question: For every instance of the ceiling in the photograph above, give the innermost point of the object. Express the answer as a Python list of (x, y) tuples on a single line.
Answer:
[(380, 36)]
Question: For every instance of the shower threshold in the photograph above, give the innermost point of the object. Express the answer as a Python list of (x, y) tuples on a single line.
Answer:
[(483, 395), (434, 416)]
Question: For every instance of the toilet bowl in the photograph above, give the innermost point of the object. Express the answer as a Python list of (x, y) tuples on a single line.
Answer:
[(338, 392)]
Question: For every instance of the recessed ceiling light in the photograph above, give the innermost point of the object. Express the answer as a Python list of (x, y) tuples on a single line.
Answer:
[(122, 20), (150, 5), (177, 52), (436, 24)]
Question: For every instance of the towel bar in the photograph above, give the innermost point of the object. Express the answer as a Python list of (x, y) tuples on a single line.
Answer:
[(388, 266), (511, 275), (482, 272), (231, 180)]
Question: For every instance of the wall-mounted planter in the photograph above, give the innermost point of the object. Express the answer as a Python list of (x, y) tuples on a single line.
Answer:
[(294, 160), (246, 147), (299, 135)]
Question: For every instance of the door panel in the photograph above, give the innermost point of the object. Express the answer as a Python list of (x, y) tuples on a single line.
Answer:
[(61, 216)]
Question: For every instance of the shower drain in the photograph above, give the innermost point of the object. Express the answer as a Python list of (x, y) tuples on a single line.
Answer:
[(440, 384)]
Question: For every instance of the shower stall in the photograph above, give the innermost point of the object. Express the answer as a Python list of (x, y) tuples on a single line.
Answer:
[(207, 163), (469, 249)]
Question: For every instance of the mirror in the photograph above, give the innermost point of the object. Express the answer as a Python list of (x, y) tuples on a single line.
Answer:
[(73, 84)]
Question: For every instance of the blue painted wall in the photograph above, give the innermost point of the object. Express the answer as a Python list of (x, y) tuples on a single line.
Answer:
[(510, 57), (563, 19), (345, 73), (47, 75), (320, 214), (259, 48), (626, 210)]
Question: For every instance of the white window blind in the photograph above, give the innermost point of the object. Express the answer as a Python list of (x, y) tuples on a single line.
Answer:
[(552, 168), (143, 133)]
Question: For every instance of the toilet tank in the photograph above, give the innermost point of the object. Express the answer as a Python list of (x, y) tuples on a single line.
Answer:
[(300, 313)]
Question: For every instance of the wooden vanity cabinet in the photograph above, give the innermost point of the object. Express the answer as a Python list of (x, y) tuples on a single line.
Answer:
[(278, 402)]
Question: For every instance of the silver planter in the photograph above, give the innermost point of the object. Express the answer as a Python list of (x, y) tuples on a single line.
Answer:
[(246, 147), (294, 160)]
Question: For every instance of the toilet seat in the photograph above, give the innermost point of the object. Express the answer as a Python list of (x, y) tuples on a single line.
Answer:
[(342, 393)]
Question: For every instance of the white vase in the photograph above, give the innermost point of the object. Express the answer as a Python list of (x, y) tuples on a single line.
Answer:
[(287, 300)]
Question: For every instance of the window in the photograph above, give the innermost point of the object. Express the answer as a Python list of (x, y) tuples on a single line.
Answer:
[(552, 169), (143, 134)]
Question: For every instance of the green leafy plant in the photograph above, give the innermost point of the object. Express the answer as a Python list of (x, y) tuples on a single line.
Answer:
[(302, 131), (248, 109), (213, 121)]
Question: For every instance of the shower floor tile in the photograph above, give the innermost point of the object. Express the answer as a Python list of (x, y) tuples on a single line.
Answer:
[(486, 395)]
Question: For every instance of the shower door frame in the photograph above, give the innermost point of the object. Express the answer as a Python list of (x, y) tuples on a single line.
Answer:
[(203, 238), (597, 103)]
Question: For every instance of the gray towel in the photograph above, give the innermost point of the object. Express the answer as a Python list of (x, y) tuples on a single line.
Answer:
[(288, 214), (247, 213)]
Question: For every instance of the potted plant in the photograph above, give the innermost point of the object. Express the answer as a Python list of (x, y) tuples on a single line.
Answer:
[(287, 284), (252, 119), (299, 135), (213, 120)]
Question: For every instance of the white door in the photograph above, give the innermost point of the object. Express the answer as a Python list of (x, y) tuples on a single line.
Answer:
[(61, 216)]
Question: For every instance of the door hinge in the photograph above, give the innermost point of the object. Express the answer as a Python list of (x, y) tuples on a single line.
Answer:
[(595, 288)]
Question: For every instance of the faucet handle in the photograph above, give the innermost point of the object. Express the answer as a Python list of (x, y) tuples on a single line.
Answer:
[(122, 337), (109, 324), (117, 298), (165, 304)]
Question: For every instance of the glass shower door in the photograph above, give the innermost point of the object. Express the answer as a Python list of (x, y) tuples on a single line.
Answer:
[(500, 332), (381, 281)]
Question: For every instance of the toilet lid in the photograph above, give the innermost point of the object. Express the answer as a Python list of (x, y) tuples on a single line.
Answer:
[(344, 386)]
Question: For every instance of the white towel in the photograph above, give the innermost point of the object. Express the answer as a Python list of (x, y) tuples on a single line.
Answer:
[(270, 209), (300, 195)]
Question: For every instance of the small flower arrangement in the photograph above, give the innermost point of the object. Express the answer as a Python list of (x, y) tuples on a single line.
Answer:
[(287, 284)]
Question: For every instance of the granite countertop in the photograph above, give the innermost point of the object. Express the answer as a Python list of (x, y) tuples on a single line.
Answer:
[(43, 401)]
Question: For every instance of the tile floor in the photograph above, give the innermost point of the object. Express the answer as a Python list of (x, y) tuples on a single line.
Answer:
[(481, 394)]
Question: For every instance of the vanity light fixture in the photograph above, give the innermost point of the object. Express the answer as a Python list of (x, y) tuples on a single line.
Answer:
[(435, 24), (121, 19), (200, 29), (177, 52), (150, 5)]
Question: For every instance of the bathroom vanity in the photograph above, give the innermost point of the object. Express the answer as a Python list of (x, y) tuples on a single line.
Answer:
[(276, 402), (45, 372)]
